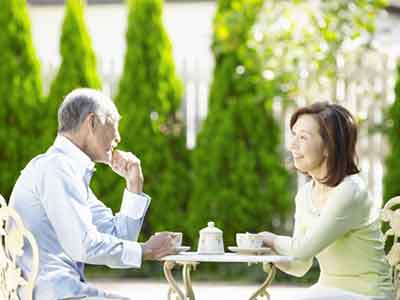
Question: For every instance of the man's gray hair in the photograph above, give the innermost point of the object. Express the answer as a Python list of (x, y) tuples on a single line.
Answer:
[(81, 102)]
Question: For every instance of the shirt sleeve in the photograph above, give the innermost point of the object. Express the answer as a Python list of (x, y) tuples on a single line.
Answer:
[(66, 201), (344, 210), (128, 222), (297, 267)]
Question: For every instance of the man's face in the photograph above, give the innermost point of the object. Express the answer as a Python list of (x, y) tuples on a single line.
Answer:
[(104, 138)]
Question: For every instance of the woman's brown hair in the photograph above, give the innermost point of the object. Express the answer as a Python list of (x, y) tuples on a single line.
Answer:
[(338, 130)]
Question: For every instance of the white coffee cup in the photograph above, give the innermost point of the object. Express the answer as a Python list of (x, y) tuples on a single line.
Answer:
[(178, 238), (177, 235), (248, 240)]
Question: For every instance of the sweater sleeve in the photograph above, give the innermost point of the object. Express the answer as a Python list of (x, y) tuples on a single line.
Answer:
[(282, 244)]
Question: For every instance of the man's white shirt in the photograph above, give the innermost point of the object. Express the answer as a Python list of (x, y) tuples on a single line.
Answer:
[(71, 226)]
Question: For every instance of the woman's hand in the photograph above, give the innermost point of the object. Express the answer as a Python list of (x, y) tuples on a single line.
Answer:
[(268, 239)]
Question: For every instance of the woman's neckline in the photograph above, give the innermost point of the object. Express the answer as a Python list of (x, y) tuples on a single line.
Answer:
[(318, 210), (314, 208)]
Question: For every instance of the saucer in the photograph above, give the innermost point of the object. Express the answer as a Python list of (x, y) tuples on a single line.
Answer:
[(182, 249), (251, 251)]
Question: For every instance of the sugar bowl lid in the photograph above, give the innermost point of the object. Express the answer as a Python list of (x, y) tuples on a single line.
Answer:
[(211, 229)]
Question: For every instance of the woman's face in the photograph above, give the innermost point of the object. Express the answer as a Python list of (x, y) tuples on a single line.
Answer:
[(307, 147)]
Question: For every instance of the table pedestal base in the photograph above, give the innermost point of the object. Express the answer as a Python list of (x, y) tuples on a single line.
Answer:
[(175, 293), (262, 292)]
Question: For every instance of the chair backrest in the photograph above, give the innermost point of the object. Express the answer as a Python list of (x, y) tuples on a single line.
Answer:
[(13, 235), (391, 215)]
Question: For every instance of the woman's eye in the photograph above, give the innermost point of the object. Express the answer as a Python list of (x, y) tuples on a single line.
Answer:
[(303, 137)]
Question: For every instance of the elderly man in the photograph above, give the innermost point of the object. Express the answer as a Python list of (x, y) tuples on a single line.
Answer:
[(71, 226)]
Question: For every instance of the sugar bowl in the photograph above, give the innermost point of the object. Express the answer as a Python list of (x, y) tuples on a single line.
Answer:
[(211, 240)]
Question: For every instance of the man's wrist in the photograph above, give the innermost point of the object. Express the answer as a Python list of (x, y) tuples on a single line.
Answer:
[(134, 187), (146, 252), (273, 242)]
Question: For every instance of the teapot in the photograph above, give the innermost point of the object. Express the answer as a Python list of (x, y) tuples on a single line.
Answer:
[(210, 241)]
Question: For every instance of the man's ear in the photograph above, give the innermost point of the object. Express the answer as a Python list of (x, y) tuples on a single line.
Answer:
[(92, 120)]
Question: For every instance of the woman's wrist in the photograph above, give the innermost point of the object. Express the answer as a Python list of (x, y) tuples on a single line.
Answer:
[(268, 239)]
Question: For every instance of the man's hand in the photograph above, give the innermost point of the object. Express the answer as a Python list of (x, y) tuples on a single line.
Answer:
[(157, 246), (268, 239), (128, 166)]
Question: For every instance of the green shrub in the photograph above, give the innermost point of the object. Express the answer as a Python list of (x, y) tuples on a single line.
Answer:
[(21, 94), (149, 99), (78, 65), (239, 180), (392, 162)]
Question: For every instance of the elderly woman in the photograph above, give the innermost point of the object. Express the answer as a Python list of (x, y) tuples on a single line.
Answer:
[(335, 219)]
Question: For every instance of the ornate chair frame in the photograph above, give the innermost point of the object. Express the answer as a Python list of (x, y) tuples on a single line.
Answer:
[(391, 215), (13, 283)]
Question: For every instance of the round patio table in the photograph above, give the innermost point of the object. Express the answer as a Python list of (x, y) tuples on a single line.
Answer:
[(189, 261)]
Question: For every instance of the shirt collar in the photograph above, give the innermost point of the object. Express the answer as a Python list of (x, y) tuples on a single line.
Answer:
[(83, 163)]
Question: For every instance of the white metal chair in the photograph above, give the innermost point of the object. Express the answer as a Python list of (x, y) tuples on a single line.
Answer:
[(391, 215), (13, 283)]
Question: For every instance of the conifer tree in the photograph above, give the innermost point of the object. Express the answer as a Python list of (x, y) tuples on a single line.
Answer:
[(392, 162), (239, 179), (78, 62), (149, 100), (21, 93)]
